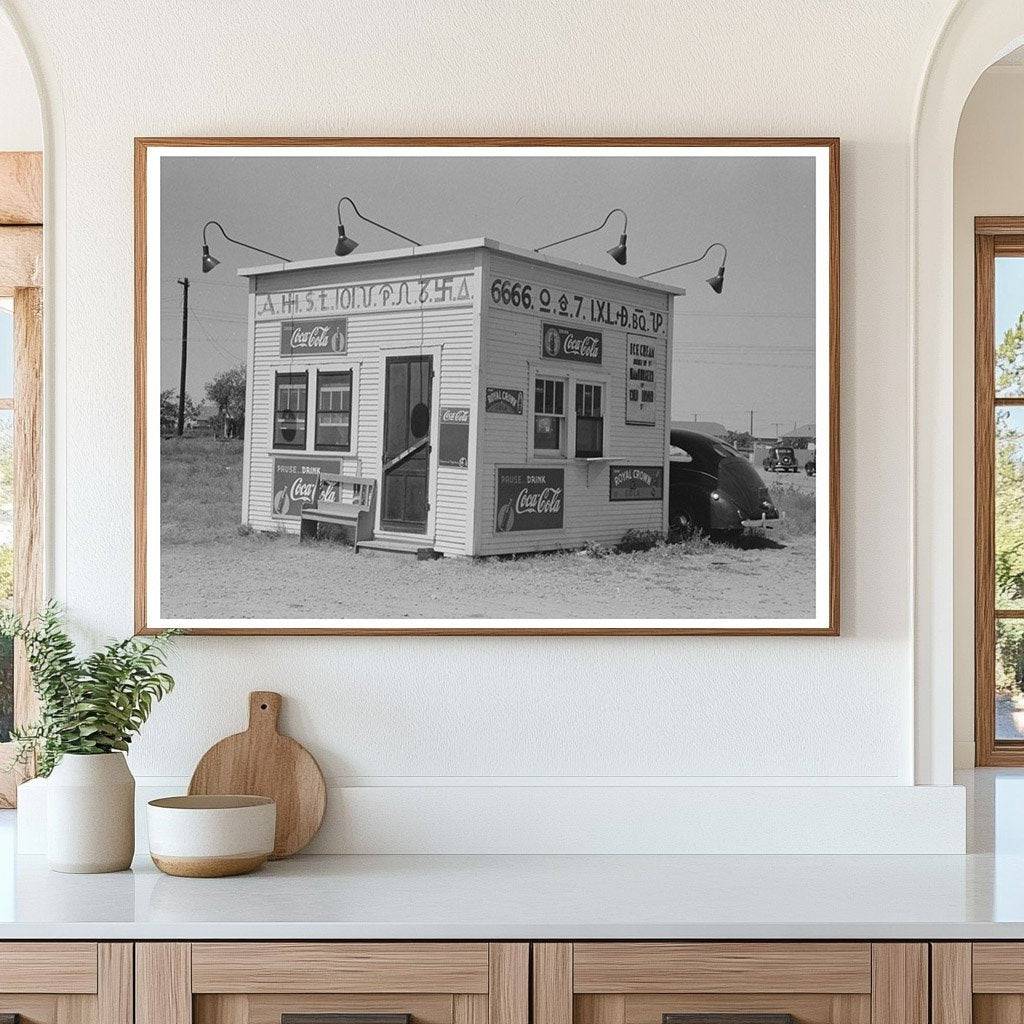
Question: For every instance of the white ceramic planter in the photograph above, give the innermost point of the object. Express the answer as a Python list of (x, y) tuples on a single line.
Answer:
[(90, 814)]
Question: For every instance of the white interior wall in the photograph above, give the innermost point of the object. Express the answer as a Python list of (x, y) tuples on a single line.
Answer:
[(987, 182), (437, 716)]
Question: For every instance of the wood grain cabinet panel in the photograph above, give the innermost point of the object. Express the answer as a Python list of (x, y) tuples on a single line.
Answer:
[(258, 982), (977, 983), (340, 967), (66, 982), (722, 967), (66, 967), (813, 982)]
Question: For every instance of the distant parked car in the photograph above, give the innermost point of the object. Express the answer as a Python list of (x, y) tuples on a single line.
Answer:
[(781, 460), (809, 468), (712, 488)]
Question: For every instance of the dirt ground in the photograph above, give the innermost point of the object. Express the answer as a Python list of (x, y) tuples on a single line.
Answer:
[(209, 570)]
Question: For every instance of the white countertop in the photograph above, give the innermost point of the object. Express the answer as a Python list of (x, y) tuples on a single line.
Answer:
[(978, 896), (531, 897)]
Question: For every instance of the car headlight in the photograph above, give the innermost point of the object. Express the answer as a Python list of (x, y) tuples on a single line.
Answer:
[(715, 496)]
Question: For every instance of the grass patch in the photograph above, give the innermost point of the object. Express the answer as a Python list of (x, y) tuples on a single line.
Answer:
[(797, 506)]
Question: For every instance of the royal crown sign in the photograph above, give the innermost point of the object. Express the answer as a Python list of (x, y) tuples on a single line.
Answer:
[(314, 337)]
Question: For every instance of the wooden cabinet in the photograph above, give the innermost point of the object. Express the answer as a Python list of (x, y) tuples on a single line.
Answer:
[(651, 982), (979, 982), (66, 982), (259, 982)]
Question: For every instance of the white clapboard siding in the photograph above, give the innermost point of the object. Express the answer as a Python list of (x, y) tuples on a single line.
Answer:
[(370, 336), (510, 356)]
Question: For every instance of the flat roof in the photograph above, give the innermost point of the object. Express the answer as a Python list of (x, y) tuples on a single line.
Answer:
[(467, 244)]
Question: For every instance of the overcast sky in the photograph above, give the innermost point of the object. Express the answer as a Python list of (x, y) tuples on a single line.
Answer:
[(752, 347)]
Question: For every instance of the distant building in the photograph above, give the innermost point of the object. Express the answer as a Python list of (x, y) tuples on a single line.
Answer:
[(801, 437), (709, 427)]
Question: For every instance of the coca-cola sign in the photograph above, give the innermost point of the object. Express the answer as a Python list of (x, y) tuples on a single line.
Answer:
[(295, 481), (570, 343), (314, 337), (530, 498), (453, 436)]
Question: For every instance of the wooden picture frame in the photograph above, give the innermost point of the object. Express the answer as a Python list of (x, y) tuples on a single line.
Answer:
[(825, 622)]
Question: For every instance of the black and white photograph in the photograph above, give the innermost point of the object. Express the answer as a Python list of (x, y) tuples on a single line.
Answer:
[(470, 387)]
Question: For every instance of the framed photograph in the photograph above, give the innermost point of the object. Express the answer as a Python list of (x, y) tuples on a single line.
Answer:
[(487, 386)]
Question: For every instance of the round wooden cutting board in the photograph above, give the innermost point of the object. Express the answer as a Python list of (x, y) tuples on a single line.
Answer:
[(262, 762)]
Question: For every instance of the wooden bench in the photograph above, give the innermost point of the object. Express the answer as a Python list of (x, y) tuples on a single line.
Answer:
[(343, 501)]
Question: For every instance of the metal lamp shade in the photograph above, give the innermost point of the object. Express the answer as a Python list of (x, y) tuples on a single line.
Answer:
[(618, 252), (209, 262), (345, 244), (718, 280)]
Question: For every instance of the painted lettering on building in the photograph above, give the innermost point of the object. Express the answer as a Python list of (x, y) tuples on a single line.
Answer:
[(545, 300), (367, 297)]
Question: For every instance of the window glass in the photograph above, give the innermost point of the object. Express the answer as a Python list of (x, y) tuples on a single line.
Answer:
[(1009, 507), (589, 422), (1009, 327), (290, 410), (333, 411), (549, 416), (1009, 679)]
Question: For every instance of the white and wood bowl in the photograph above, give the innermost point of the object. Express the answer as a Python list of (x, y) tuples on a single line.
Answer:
[(211, 836)]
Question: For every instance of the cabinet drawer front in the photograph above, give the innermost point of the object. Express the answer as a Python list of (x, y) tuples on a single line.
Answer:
[(998, 967), (268, 1009), (56, 967), (721, 967), (339, 967)]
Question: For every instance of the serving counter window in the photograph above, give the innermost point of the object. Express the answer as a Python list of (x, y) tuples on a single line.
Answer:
[(333, 431), (589, 422), (290, 410)]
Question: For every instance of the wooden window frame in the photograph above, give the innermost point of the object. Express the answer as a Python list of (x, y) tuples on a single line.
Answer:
[(21, 270), (993, 237), (597, 387), (293, 378), (317, 445), (562, 450)]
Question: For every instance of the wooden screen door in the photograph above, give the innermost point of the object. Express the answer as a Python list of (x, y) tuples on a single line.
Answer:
[(407, 415)]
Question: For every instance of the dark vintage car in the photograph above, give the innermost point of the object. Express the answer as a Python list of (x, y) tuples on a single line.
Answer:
[(810, 467), (781, 460), (712, 488)]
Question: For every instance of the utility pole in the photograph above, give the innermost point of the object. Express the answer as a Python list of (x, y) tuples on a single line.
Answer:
[(751, 422), (778, 431), (183, 281)]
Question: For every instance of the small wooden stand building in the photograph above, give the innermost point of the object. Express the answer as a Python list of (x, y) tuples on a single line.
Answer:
[(489, 399)]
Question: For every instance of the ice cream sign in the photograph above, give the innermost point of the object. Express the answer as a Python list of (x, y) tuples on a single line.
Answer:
[(314, 337)]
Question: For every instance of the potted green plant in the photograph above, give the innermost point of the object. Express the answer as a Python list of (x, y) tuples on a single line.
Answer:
[(89, 710)]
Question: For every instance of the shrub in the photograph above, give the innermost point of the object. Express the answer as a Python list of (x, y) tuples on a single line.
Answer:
[(638, 540)]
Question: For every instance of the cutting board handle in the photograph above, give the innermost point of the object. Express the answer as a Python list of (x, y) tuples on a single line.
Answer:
[(264, 710)]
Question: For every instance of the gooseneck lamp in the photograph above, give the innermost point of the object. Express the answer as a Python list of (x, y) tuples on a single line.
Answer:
[(716, 282), (617, 252), (209, 262), (346, 243)]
